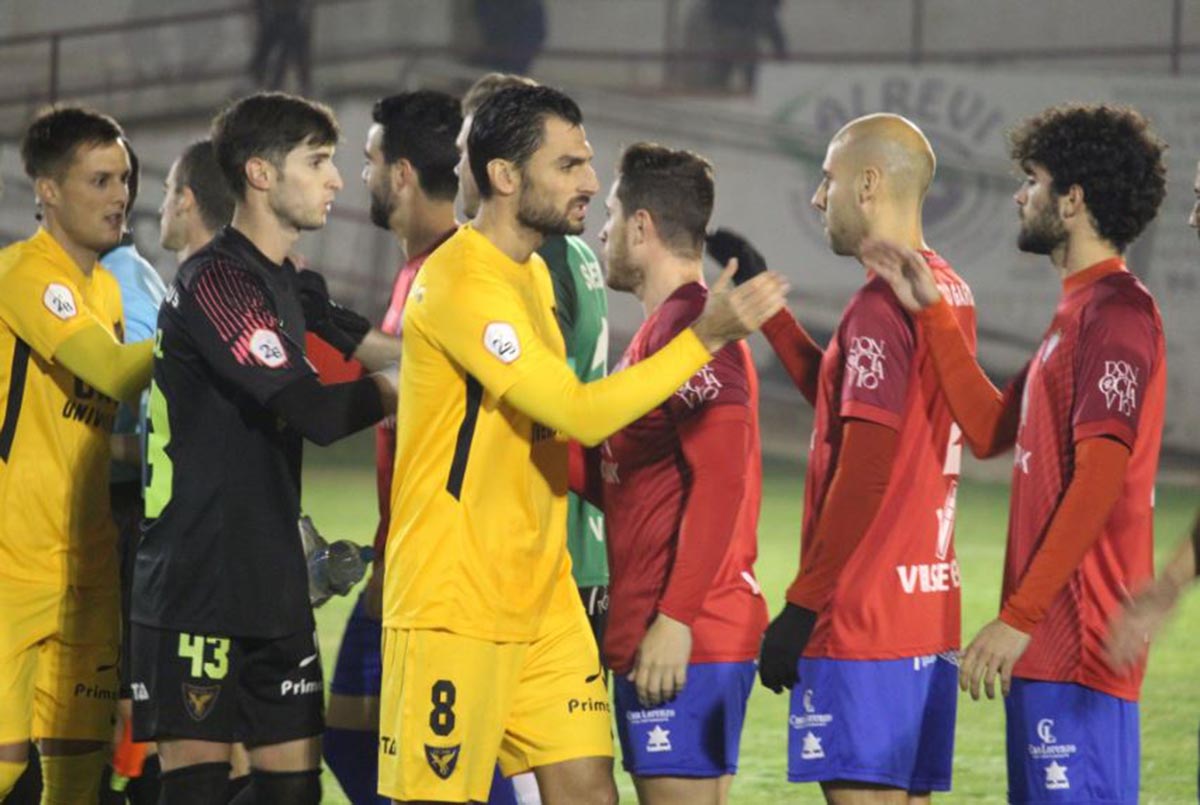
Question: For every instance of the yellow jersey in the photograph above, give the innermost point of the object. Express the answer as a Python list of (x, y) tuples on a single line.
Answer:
[(477, 539), (56, 527)]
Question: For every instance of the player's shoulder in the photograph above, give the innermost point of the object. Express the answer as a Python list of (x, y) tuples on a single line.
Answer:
[(214, 262), (37, 256), (679, 310), (874, 299), (1121, 297)]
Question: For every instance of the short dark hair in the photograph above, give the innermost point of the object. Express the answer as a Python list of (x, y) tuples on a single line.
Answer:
[(511, 125), (1110, 152), (675, 186), (199, 172), (488, 85), (421, 127), (268, 125), (56, 132)]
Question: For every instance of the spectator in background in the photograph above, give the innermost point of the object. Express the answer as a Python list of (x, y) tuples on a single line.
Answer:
[(731, 32), (511, 34), (283, 38)]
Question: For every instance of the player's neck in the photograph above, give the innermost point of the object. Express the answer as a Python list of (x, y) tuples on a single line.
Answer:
[(1081, 252), (426, 224), (264, 229), (196, 241), (81, 256), (668, 274), (905, 230), (501, 227)]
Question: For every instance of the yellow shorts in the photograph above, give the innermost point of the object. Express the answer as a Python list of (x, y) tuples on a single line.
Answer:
[(451, 706), (59, 651)]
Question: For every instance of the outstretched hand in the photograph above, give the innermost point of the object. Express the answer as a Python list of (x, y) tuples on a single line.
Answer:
[(734, 313), (905, 270)]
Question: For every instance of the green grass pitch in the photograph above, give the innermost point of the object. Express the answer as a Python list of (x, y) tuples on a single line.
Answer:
[(340, 494)]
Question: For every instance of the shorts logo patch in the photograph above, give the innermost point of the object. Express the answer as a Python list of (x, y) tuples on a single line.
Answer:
[(1056, 776), (500, 339), (442, 759), (658, 740), (267, 348), (199, 700), (59, 300), (811, 750)]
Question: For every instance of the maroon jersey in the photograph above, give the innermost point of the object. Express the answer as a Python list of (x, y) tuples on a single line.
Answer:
[(898, 594), (1100, 371), (647, 480)]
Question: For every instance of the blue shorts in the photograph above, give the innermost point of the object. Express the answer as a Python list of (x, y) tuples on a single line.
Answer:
[(889, 722), (359, 665), (1068, 743), (694, 735)]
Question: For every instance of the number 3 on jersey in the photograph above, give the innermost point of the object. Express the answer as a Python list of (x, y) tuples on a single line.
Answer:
[(194, 648)]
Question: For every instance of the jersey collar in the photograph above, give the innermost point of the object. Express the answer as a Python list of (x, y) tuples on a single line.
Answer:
[(1093, 273)]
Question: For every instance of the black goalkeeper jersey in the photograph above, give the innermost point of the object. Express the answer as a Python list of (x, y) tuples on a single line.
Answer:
[(220, 553)]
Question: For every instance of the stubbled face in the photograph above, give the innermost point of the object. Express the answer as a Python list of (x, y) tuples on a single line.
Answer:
[(172, 224), (376, 174), (89, 198), (1042, 230), (305, 187), (622, 273), (837, 202), (1194, 218), (558, 181), (468, 191)]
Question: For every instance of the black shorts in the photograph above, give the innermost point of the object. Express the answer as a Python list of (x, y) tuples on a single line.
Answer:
[(126, 500), (258, 691)]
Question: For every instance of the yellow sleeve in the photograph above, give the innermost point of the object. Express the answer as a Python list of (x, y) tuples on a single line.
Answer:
[(42, 305), (117, 370), (482, 324)]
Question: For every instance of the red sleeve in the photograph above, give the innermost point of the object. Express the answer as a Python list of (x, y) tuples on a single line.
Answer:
[(796, 350), (712, 442), (988, 418), (330, 365), (878, 342), (855, 495), (1117, 349), (1077, 524)]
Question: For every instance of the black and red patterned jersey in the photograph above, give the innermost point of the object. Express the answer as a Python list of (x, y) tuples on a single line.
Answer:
[(220, 552)]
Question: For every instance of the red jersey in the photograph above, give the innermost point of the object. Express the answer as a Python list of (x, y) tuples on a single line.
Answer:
[(385, 431), (1100, 371), (647, 506), (898, 594)]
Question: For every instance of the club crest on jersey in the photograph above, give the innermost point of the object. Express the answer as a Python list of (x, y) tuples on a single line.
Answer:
[(500, 339), (442, 759), (59, 300), (267, 348), (865, 361), (199, 700), (1119, 386)]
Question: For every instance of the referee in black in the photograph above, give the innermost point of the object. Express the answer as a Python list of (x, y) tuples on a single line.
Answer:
[(222, 631)]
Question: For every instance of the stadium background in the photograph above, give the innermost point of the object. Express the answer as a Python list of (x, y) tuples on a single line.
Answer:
[(964, 70)]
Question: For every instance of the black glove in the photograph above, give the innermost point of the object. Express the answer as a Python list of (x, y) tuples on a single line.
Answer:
[(724, 244), (782, 646), (341, 327)]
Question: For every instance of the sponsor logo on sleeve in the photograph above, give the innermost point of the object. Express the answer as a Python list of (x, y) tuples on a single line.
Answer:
[(267, 348), (1119, 386), (702, 387), (59, 300), (500, 339), (865, 361)]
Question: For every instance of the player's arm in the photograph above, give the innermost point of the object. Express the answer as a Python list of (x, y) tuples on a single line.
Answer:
[(489, 333), (323, 414), (854, 497), (987, 416), (707, 527), (1144, 615), (795, 348), (342, 328), (114, 369)]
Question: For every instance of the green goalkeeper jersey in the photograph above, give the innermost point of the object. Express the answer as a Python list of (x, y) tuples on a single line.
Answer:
[(582, 309)]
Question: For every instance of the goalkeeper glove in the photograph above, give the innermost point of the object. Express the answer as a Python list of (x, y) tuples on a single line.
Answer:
[(782, 645), (333, 568), (341, 327), (724, 244)]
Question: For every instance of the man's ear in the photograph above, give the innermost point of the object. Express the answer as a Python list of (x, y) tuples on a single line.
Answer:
[(260, 173)]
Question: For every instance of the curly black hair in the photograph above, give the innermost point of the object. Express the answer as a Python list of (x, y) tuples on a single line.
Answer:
[(1110, 152)]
